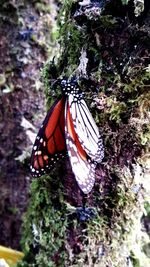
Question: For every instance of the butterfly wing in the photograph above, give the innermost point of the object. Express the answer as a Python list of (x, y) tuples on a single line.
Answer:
[(86, 128), (49, 145), (82, 167), (84, 124)]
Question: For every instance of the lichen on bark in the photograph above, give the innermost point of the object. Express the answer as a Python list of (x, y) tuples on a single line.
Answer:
[(115, 80)]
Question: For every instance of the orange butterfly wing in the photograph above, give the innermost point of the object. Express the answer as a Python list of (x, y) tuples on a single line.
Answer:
[(50, 144)]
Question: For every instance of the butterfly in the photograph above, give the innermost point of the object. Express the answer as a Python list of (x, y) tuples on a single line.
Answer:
[(69, 127)]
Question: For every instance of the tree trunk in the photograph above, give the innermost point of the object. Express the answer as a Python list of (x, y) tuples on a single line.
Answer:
[(105, 45)]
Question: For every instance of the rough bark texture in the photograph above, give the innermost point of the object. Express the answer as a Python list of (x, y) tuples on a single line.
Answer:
[(113, 38), (25, 38)]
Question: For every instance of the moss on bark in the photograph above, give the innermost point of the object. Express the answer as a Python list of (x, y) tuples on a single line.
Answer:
[(112, 44)]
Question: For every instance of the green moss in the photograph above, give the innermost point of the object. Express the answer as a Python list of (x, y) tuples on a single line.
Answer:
[(135, 261), (138, 80), (43, 7), (145, 136), (108, 22), (49, 73), (147, 208), (71, 42), (105, 235), (44, 226), (13, 210), (48, 222), (71, 39), (116, 110)]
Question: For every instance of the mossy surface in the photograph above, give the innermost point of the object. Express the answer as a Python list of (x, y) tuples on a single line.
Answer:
[(48, 227), (116, 87)]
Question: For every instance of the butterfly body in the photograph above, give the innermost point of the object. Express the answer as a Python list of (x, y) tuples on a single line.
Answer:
[(69, 126)]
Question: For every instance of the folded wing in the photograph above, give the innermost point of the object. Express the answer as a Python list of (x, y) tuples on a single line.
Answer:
[(86, 128), (50, 144), (82, 167)]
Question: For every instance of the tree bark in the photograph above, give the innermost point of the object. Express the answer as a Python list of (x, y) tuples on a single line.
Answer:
[(106, 45)]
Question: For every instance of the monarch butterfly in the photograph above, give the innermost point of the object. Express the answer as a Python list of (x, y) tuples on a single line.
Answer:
[(69, 126)]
